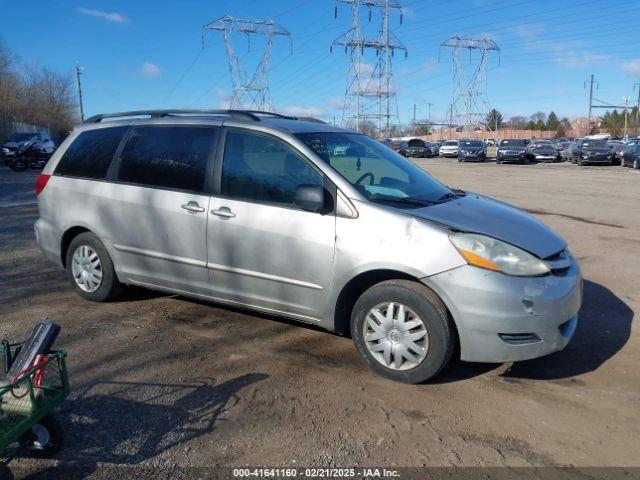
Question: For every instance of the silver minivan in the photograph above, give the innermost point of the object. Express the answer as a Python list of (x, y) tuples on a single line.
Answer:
[(305, 220)]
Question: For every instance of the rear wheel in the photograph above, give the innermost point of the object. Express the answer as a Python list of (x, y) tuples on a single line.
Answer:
[(90, 269), (402, 330)]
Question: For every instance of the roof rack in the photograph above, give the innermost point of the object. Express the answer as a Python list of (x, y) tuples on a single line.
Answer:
[(253, 115)]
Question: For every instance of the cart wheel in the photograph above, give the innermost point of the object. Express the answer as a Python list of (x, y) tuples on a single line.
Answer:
[(5, 472), (44, 439)]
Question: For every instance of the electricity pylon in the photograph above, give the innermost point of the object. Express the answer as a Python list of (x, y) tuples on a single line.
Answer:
[(370, 95), (249, 92), (469, 103)]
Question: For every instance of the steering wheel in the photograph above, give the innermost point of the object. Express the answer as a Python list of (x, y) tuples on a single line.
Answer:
[(365, 175)]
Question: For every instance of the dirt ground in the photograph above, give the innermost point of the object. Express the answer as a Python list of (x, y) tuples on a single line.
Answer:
[(166, 381)]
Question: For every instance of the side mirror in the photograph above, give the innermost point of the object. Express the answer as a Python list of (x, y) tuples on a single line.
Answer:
[(310, 197)]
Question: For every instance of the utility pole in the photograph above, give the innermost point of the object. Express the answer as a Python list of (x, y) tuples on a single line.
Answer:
[(626, 110), (637, 85), (591, 82), (413, 123), (429, 104), (79, 70)]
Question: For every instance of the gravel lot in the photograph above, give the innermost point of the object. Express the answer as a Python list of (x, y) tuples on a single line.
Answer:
[(168, 382)]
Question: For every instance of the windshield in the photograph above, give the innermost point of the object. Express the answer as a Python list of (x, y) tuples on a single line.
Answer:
[(450, 143), (593, 144), (378, 173), (512, 143), (472, 143), (21, 137)]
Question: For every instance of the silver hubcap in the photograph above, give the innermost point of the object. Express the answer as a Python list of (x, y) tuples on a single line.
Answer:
[(396, 336), (86, 268)]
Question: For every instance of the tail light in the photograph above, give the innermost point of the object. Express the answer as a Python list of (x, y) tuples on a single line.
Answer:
[(41, 182)]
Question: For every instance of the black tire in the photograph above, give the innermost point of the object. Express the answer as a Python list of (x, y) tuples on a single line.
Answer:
[(54, 432), (110, 287), (18, 165), (426, 304)]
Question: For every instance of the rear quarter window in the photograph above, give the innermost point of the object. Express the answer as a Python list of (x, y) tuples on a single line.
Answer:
[(90, 154)]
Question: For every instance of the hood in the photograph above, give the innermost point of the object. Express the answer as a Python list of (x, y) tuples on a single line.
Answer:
[(518, 148), (13, 144), (596, 149), (544, 148), (478, 214)]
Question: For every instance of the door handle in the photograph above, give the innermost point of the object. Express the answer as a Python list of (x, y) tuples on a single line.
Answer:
[(223, 212), (193, 207)]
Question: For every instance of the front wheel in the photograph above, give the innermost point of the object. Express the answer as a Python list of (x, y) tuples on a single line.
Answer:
[(402, 330), (91, 270), (18, 165)]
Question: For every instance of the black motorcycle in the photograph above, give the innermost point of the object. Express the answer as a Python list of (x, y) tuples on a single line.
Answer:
[(29, 156)]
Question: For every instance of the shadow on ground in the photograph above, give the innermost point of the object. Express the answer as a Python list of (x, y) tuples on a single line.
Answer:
[(603, 329), (128, 423)]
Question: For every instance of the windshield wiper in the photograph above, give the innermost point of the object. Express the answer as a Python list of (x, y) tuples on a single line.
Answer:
[(454, 193), (400, 200)]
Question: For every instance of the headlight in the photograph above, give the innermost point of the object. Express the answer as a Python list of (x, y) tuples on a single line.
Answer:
[(5, 150), (491, 254)]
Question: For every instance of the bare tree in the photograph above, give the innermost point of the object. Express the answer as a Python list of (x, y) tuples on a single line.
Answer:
[(35, 95)]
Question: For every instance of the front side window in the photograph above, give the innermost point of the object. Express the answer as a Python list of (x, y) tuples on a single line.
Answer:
[(90, 154), (378, 173), (167, 157), (261, 169)]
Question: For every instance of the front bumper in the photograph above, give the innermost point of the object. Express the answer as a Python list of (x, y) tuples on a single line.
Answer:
[(448, 153), (520, 157), (546, 158), (596, 159), (502, 318)]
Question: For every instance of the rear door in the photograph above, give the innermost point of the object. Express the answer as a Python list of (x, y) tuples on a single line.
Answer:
[(264, 251), (157, 216)]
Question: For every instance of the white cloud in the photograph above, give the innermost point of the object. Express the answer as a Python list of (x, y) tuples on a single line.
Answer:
[(300, 111), (571, 59), (632, 67), (149, 70), (335, 102), (110, 17), (528, 30), (223, 98)]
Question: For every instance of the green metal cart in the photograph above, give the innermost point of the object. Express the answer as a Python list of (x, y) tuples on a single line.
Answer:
[(26, 403)]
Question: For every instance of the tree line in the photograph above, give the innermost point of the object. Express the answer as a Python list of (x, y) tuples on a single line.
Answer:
[(35, 95), (537, 121)]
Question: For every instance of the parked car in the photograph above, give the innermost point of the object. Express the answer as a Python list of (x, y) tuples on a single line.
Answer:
[(631, 156), (471, 151), (587, 151), (435, 148), (617, 150), (36, 141), (449, 149), (400, 147), (564, 150), (418, 149), (511, 150), (542, 151), (256, 210)]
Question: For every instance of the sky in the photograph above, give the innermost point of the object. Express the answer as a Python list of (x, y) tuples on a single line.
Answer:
[(150, 54)]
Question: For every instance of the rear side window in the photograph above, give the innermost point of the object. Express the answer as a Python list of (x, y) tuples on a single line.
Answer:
[(90, 154), (167, 157)]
